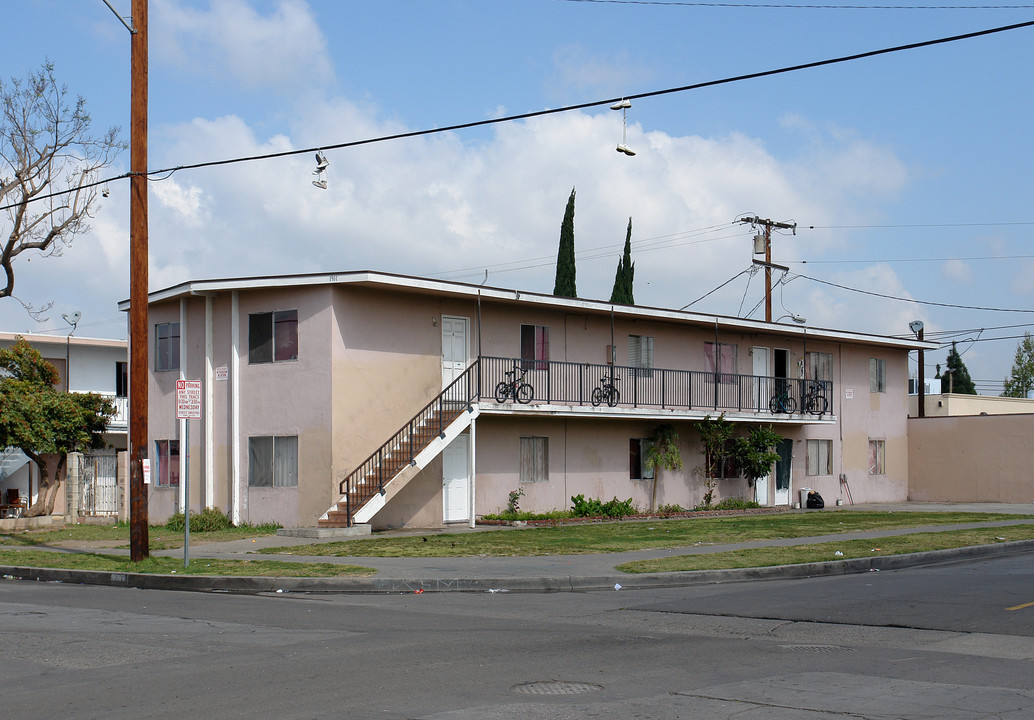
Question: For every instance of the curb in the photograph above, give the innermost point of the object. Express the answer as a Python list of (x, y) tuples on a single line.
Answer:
[(561, 583)]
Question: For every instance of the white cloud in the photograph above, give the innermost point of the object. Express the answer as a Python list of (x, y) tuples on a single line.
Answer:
[(284, 50), (186, 202), (437, 206), (957, 270)]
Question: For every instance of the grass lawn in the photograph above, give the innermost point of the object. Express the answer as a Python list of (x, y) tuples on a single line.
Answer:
[(635, 535), (822, 552), (174, 566), (117, 536)]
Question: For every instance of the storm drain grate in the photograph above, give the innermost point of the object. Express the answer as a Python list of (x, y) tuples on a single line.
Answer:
[(555, 687), (817, 648)]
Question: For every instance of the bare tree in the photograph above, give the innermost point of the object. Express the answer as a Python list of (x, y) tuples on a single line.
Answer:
[(49, 166)]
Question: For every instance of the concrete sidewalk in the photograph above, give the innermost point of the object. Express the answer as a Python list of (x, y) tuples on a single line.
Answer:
[(552, 573)]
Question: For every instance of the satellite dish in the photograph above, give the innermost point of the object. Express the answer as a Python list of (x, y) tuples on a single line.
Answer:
[(915, 326), (73, 318)]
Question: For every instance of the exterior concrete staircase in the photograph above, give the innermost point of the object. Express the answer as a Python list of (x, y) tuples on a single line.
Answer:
[(382, 475)]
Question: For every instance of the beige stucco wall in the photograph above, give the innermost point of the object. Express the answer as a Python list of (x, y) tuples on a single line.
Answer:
[(981, 458), (955, 404), (370, 358)]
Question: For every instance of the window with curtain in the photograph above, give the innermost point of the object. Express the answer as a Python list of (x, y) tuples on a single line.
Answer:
[(877, 375), (534, 347), (534, 459), (640, 354), (721, 358), (273, 336), (877, 457), (820, 457), (168, 452), (273, 461), (820, 366)]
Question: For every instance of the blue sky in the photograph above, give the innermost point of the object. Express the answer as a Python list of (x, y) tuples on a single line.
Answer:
[(908, 174)]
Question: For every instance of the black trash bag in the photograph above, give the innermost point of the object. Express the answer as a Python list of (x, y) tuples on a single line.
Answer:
[(815, 501)]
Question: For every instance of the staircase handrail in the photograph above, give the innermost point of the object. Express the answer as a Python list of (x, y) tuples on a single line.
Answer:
[(453, 393)]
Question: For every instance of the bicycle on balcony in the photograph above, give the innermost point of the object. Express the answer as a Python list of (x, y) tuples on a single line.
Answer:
[(515, 386), (815, 402), (783, 401), (607, 392)]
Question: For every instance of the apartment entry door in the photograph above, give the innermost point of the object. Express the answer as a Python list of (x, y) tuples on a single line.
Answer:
[(456, 480), (455, 348), (782, 471)]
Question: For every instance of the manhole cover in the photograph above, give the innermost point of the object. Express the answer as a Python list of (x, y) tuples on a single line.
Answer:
[(554, 687), (816, 648)]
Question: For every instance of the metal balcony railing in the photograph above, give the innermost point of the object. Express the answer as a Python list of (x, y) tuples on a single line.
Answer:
[(567, 383)]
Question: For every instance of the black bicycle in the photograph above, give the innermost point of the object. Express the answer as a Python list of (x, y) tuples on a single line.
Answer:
[(815, 401), (515, 387), (783, 401), (607, 392)]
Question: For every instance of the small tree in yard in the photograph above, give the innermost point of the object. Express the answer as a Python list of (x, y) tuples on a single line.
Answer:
[(755, 454), (46, 146), (715, 434), (663, 452), (41, 420)]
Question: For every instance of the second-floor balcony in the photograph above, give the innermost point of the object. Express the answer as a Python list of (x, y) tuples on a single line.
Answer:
[(589, 387), (121, 419)]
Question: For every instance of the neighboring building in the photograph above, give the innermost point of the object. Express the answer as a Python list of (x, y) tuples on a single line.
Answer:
[(955, 405), (84, 365), (308, 378)]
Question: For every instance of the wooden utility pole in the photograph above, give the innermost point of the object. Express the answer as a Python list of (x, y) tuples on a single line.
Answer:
[(138, 539), (768, 225)]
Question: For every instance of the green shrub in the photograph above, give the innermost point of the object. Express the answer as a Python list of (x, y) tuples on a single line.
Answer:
[(208, 520), (519, 515), (593, 507), (670, 509), (732, 503)]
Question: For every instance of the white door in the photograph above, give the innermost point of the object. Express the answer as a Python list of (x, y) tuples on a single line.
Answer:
[(762, 379), (456, 480), (454, 348), (761, 491)]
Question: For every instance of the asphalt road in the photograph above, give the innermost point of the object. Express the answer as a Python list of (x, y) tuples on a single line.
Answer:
[(947, 641)]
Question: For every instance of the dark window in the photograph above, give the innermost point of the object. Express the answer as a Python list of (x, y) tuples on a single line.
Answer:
[(637, 451), (534, 347), (725, 467), (273, 336), (121, 379), (167, 346), (273, 461)]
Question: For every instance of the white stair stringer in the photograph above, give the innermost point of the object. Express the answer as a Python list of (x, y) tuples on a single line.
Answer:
[(392, 488)]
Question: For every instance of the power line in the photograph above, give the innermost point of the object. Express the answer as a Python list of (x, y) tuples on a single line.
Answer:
[(773, 6), (566, 108), (910, 225), (907, 260), (912, 300)]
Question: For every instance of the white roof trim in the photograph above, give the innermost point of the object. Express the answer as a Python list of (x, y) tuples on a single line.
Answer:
[(205, 287)]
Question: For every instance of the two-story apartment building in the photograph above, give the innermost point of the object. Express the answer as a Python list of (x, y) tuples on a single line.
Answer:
[(371, 397), (84, 364)]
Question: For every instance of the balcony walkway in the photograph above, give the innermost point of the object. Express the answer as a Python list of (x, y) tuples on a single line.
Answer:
[(567, 389)]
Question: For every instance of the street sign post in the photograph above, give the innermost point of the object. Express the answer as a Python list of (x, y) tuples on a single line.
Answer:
[(188, 407)]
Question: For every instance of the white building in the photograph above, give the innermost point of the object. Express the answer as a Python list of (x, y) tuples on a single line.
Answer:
[(84, 365)]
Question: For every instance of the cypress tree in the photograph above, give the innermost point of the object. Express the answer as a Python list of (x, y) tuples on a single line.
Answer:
[(959, 380), (564, 285), (623, 278)]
